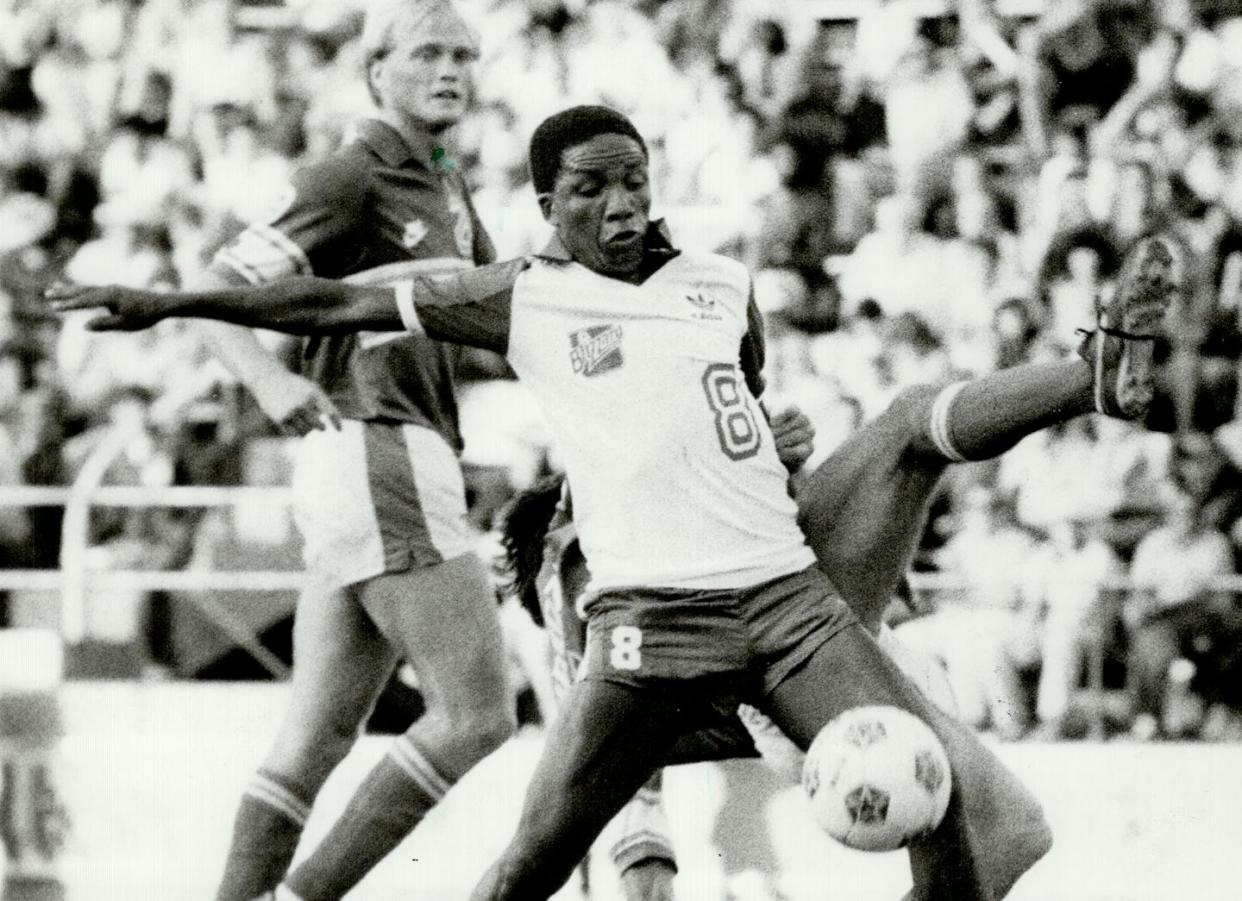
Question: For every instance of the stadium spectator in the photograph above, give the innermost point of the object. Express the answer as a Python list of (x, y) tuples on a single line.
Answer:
[(120, 162), (982, 631), (1175, 610), (1068, 575), (1080, 63)]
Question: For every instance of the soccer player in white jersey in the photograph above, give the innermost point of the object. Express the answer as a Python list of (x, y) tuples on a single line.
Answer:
[(378, 493), (704, 593), (865, 509)]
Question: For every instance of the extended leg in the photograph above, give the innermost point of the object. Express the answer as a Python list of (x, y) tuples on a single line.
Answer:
[(443, 618), (864, 509), (340, 664), (604, 744)]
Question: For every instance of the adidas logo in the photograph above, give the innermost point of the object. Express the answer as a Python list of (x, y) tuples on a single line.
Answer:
[(706, 306)]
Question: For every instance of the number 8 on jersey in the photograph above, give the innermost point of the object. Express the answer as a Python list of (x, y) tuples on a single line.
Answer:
[(735, 420), (626, 651)]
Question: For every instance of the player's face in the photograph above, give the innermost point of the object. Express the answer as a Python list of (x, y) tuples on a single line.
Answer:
[(427, 75), (601, 203)]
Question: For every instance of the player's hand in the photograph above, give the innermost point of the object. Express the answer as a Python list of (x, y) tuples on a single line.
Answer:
[(648, 880), (297, 405), (795, 437), (128, 309)]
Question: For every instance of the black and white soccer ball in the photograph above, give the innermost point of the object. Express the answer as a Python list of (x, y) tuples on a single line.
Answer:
[(877, 778)]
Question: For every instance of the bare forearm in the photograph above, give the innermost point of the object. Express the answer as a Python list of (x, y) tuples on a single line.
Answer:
[(297, 306)]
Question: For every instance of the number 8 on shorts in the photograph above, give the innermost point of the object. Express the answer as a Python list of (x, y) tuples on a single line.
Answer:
[(625, 653)]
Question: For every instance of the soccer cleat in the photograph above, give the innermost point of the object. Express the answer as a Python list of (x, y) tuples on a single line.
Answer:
[(1122, 348)]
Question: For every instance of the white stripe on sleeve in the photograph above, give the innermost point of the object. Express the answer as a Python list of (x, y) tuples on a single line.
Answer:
[(405, 306), (941, 434)]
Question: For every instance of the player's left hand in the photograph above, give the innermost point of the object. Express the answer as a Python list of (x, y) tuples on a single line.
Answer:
[(650, 879), (795, 437), (128, 309)]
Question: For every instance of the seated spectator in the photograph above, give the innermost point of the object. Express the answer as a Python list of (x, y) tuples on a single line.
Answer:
[(1083, 469), (1175, 612), (1068, 575), (1075, 267), (1201, 466), (983, 632), (1015, 334)]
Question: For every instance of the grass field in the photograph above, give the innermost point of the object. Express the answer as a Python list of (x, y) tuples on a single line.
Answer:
[(152, 774)]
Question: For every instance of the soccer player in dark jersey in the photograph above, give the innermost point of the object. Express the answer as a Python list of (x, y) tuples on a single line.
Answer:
[(378, 490), (704, 590)]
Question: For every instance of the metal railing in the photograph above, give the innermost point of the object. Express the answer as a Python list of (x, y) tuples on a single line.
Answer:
[(75, 578)]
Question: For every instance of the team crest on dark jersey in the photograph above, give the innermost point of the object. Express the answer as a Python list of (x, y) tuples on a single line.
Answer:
[(415, 231), (595, 350)]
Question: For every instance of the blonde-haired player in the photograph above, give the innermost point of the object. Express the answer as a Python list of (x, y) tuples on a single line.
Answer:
[(379, 494)]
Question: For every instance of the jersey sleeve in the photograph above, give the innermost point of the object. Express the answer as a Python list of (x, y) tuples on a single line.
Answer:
[(316, 214), (751, 355), (472, 307)]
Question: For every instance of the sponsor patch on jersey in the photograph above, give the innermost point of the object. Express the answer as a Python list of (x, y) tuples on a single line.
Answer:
[(595, 350), (415, 231)]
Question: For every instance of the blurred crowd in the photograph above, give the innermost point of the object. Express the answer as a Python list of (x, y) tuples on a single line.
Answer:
[(921, 196)]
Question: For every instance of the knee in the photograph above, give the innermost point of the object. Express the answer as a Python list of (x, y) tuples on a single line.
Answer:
[(486, 734), (910, 413), (472, 732), (1041, 842), (1029, 847), (1035, 839), (1026, 839), (309, 752)]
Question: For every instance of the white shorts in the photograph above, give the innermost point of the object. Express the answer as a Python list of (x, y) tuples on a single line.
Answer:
[(377, 498)]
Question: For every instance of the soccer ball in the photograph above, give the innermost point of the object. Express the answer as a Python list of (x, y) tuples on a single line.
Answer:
[(877, 777)]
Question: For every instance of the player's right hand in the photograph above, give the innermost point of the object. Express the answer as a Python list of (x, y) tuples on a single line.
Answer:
[(128, 309), (794, 436), (297, 405), (651, 879)]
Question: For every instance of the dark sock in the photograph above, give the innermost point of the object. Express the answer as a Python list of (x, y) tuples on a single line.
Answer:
[(265, 836), (391, 801), (985, 417)]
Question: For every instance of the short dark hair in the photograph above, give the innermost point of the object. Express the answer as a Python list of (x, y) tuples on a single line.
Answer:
[(569, 128)]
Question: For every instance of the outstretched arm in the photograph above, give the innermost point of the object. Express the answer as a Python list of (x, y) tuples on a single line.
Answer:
[(299, 306), (470, 307)]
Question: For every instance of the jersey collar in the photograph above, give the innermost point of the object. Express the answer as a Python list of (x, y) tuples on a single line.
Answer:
[(658, 246), (392, 147)]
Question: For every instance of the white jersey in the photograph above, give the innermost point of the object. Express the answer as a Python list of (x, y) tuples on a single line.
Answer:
[(673, 468)]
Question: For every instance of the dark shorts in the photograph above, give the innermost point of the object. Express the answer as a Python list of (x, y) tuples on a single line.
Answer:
[(745, 640)]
